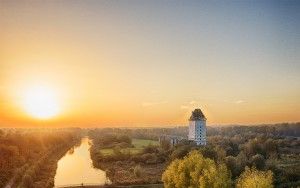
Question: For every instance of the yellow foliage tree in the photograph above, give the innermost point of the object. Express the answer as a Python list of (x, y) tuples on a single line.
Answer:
[(255, 178), (195, 171)]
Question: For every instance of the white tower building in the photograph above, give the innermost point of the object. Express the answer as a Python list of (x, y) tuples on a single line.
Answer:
[(197, 127)]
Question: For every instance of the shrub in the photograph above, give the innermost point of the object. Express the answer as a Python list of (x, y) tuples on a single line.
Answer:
[(137, 171), (150, 149), (27, 181), (258, 161), (255, 178)]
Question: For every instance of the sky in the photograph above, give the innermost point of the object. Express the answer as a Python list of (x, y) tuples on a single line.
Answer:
[(149, 63)]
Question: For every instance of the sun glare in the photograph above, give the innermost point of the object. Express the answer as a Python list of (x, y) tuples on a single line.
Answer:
[(41, 102)]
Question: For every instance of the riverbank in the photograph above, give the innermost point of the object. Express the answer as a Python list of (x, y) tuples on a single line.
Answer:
[(123, 172), (29, 157), (122, 166), (44, 170)]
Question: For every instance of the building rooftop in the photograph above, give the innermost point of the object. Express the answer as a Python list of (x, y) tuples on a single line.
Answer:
[(197, 115)]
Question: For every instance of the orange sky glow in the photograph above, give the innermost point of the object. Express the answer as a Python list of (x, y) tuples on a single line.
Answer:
[(116, 64)]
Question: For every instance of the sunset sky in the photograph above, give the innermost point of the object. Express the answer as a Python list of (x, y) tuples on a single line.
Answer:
[(148, 63)]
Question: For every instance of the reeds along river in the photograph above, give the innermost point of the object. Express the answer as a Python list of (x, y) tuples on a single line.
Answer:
[(76, 168)]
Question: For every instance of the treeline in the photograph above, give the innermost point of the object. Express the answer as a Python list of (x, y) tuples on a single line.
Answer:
[(274, 130), (141, 133), (110, 140), (28, 156)]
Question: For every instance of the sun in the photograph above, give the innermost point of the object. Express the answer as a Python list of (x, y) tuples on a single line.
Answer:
[(41, 102)]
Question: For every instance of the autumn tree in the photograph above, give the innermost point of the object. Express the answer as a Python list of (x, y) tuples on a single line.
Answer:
[(255, 178), (195, 171), (232, 165)]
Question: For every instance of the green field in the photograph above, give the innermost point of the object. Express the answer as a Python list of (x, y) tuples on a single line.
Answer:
[(138, 144), (141, 143)]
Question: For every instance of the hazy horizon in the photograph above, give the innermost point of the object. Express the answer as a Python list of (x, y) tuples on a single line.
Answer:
[(148, 63)]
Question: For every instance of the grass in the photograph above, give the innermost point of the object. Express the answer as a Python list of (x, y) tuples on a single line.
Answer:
[(138, 144)]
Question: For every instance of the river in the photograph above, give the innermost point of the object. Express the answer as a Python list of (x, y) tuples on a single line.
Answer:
[(76, 168)]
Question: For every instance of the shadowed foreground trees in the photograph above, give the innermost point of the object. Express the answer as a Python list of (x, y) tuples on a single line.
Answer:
[(196, 171)]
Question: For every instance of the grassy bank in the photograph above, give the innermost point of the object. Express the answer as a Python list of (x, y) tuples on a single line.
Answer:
[(128, 161), (137, 147)]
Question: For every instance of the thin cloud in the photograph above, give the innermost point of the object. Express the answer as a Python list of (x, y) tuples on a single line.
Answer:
[(189, 105), (184, 107), (239, 102), (193, 102), (146, 104)]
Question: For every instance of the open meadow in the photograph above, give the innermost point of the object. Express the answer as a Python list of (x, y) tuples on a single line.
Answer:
[(137, 147)]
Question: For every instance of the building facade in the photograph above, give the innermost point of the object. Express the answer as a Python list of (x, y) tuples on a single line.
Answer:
[(172, 139), (197, 127)]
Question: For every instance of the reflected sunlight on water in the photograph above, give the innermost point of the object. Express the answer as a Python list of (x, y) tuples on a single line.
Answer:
[(76, 167)]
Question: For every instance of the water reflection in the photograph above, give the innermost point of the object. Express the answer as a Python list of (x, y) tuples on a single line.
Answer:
[(76, 167)]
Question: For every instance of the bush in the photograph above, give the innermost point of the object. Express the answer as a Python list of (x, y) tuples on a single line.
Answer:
[(150, 149), (27, 181), (232, 165), (255, 178), (117, 151), (258, 161), (137, 171), (165, 144), (180, 152)]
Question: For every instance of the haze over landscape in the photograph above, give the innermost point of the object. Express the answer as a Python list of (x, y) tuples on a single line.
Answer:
[(148, 63), (149, 94)]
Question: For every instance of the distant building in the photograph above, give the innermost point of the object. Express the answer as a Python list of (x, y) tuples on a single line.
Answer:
[(197, 127), (170, 138)]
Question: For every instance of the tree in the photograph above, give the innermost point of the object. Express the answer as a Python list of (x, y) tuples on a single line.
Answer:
[(221, 153), (232, 165), (165, 145), (271, 148), (258, 161), (252, 147), (241, 160), (180, 152), (255, 178), (124, 138), (209, 152), (195, 171)]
